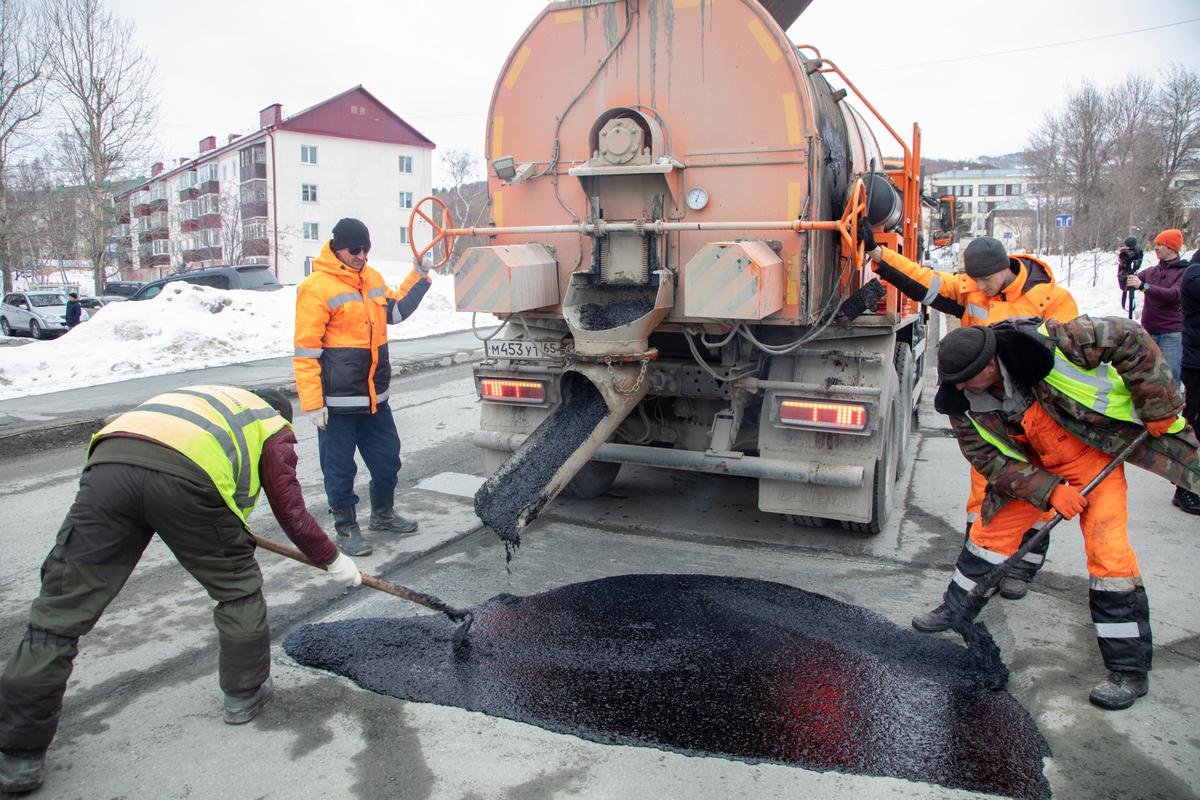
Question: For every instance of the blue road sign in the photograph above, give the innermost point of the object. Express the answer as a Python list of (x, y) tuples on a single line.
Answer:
[(1064, 220), (1008, 234)]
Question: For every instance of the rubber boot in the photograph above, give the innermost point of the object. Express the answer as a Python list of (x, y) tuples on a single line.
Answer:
[(384, 516), (349, 538), (969, 568), (21, 770), (1188, 502), (240, 710), (1120, 690), (1016, 583)]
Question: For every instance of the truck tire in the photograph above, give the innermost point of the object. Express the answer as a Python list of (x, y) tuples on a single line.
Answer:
[(803, 519), (904, 371), (593, 480), (886, 472)]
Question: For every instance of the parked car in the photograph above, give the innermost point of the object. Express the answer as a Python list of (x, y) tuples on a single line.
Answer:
[(41, 314), (123, 288), (94, 303), (255, 277)]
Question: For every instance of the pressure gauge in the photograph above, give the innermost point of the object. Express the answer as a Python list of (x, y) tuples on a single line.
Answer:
[(697, 198)]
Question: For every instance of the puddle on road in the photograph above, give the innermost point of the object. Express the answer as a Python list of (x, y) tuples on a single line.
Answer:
[(708, 666)]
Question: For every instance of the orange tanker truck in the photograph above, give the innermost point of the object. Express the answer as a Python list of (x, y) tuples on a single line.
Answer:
[(675, 192)]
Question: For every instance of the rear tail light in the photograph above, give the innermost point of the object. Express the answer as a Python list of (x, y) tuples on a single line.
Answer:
[(506, 391), (824, 415)]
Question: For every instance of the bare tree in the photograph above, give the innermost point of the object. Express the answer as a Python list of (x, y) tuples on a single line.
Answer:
[(22, 87), (465, 195), (104, 85), (1175, 130)]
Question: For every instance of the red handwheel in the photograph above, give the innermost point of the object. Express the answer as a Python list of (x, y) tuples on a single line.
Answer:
[(440, 231)]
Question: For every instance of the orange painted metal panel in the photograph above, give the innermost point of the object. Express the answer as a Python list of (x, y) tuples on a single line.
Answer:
[(506, 279), (734, 280)]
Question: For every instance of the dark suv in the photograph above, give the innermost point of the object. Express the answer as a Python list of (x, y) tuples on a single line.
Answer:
[(123, 288), (255, 277)]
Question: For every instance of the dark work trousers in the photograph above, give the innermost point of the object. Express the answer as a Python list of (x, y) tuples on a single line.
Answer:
[(376, 439), (118, 509), (1191, 385)]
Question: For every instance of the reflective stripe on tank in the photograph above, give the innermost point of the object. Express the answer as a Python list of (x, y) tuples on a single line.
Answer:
[(307, 352), (979, 312), (990, 556), (1114, 584), (1100, 389), (1118, 630), (995, 442), (343, 298), (935, 287)]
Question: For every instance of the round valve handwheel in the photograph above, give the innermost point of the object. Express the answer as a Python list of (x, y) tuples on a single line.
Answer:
[(441, 234)]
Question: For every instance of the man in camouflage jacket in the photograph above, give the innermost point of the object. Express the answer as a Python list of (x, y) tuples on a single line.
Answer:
[(1039, 408)]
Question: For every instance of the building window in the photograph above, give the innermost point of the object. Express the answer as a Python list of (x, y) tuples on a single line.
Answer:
[(406, 164), (208, 172), (311, 231), (162, 247), (403, 234), (966, 208), (406, 199), (308, 154), (308, 192), (208, 205), (1012, 188), (158, 190), (308, 265), (211, 237), (255, 229), (254, 191)]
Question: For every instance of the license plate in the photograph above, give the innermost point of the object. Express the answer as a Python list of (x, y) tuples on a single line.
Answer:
[(520, 349)]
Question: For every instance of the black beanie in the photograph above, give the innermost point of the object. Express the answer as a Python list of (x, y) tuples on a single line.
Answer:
[(275, 399), (349, 232), (985, 256), (1131, 241), (965, 352)]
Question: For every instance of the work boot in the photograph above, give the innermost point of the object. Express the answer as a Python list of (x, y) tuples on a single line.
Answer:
[(349, 538), (1013, 587), (240, 710), (1120, 690), (384, 516), (1188, 502), (21, 770), (936, 621)]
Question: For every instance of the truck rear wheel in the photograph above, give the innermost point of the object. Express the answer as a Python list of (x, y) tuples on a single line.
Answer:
[(596, 478), (886, 470), (904, 371)]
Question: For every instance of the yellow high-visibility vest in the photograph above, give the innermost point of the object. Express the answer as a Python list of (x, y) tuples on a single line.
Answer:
[(1100, 389), (221, 428)]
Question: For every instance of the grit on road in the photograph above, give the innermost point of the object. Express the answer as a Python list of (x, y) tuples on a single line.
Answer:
[(142, 713)]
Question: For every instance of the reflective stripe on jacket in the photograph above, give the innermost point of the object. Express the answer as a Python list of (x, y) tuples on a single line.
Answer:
[(342, 314), (220, 428), (1032, 293), (1101, 389)]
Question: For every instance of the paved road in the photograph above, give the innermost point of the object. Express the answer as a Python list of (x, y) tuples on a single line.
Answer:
[(141, 718)]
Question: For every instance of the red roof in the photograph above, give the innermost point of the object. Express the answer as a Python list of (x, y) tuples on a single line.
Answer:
[(355, 114)]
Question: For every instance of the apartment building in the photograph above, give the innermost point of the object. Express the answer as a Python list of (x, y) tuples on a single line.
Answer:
[(993, 201), (274, 195)]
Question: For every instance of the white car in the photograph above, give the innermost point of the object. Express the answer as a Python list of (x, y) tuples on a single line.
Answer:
[(40, 314)]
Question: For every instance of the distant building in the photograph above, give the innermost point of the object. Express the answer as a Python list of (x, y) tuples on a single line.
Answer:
[(273, 196), (993, 201)]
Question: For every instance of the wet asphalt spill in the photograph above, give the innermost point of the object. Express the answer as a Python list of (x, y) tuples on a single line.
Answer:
[(708, 666), (517, 486)]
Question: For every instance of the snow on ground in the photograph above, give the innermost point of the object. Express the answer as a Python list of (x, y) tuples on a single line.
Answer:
[(191, 327)]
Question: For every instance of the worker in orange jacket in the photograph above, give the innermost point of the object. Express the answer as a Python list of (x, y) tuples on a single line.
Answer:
[(996, 286), (343, 374)]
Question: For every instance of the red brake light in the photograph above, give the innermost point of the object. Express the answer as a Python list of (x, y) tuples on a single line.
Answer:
[(505, 391), (824, 415)]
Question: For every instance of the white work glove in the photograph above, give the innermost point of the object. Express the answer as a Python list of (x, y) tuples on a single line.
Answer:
[(344, 572), (318, 416), (422, 268)]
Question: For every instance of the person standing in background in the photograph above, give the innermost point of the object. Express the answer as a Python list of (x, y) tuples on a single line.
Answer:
[(1190, 366), (74, 310), (1161, 316)]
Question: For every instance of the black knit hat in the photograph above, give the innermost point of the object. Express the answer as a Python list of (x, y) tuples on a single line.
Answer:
[(1131, 241), (275, 399), (965, 352), (349, 232), (985, 256)]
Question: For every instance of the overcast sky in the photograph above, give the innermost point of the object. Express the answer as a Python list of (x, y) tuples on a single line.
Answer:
[(435, 62)]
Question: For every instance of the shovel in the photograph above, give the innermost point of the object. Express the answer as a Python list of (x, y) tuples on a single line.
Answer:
[(459, 639), (971, 603)]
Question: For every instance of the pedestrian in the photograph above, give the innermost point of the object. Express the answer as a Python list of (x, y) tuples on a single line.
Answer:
[(1161, 316), (343, 374), (187, 465), (1034, 411), (1129, 261), (1189, 370), (996, 286), (74, 310)]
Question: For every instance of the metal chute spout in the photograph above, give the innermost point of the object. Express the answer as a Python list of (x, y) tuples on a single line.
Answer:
[(596, 398), (616, 320)]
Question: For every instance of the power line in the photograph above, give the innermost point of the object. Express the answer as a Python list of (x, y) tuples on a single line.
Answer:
[(1027, 49)]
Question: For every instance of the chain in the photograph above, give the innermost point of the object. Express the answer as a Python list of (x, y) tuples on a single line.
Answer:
[(613, 375)]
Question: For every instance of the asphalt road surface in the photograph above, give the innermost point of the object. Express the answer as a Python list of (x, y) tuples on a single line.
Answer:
[(142, 712)]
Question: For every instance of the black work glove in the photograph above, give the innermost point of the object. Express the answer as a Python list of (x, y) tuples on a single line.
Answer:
[(866, 235)]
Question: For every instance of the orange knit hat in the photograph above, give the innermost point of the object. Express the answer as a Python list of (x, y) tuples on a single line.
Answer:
[(1172, 239)]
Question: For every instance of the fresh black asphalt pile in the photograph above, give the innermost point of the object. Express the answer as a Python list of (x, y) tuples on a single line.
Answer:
[(710, 666), (518, 484)]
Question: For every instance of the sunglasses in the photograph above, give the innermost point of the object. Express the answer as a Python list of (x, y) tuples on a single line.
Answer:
[(354, 251)]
